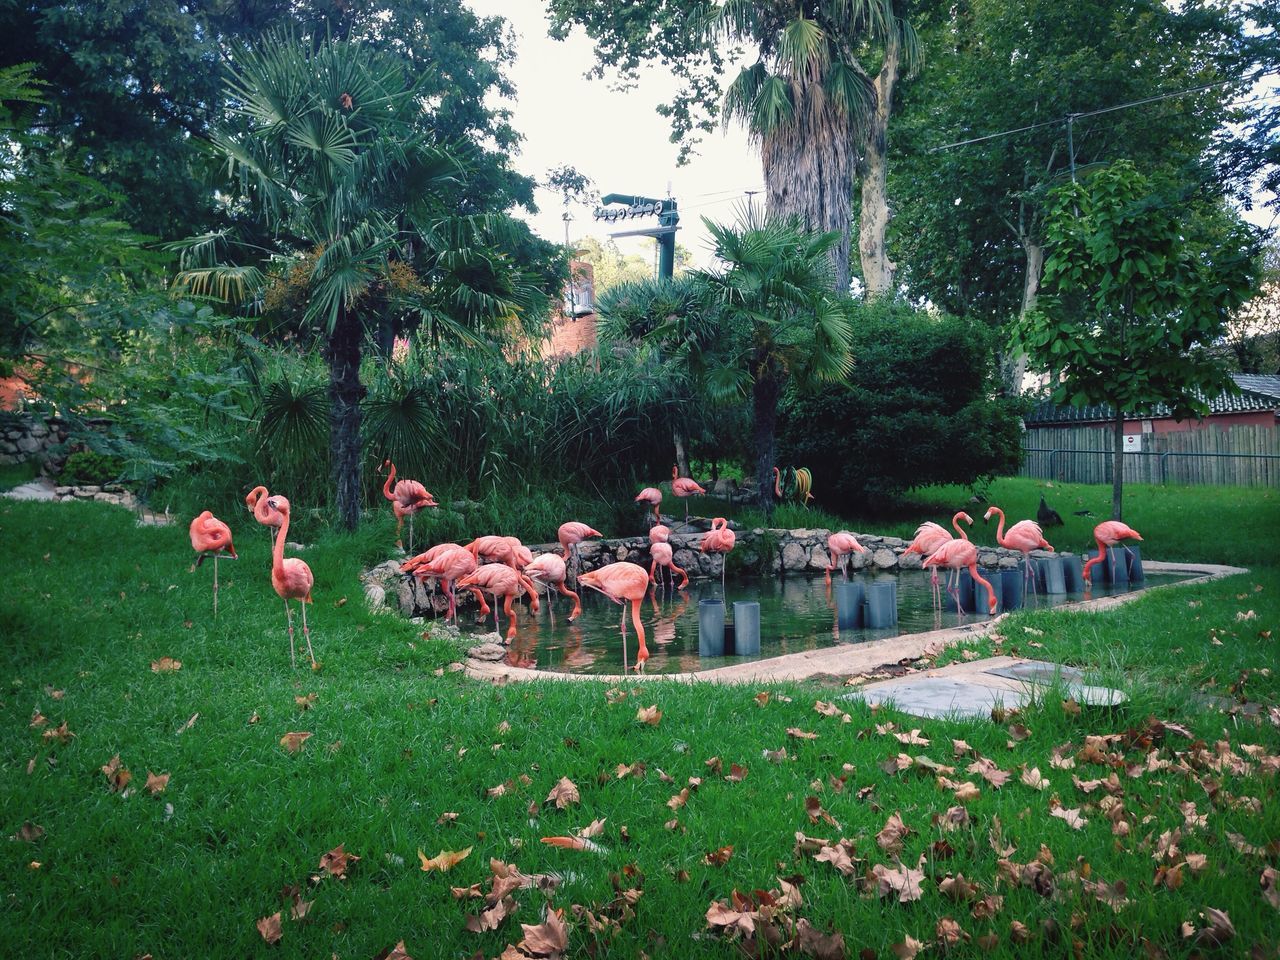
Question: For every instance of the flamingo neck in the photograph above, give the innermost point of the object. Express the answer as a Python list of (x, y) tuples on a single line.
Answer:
[(386, 487), (675, 472), (254, 496), (1000, 526), (777, 483), (277, 551), (1093, 561), (991, 594), (955, 522)]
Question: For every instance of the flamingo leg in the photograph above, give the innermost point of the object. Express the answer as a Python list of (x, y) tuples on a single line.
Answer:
[(623, 625), (496, 628), (215, 586), (288, 615), (577, 602), (452, 613), (411, 534), (551, 611), (511, 615), (306, 634), (642, 654)]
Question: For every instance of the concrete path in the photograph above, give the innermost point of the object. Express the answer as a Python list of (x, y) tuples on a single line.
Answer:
[(41, 489)]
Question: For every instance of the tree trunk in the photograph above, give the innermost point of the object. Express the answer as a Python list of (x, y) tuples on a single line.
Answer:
[(764, 402), (877, 268), (342, 351), (682, 458), (808, 170), (1014, 368), (1117, 479)]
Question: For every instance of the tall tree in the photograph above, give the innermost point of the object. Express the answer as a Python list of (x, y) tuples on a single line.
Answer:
[(1133, 300), (329, 152), (819, 114), (969, 224)]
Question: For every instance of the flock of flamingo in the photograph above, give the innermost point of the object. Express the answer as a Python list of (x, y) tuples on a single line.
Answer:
[(502, 566)]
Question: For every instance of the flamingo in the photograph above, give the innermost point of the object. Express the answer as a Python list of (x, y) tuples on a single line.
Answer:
[(930, 536), (719, 539), (653, 497), (1108, 534), (292, 580), (623, 582), (493, 549), (521, 555), (407, 498), (210, 536), (256, 501), (659, 533), (449, 563), (573, 533), (684, 488), (841, 545), (501, 581), (777, 484), (957, 554), (548, 569), (662, 557), (413, 564), (1024, 536)]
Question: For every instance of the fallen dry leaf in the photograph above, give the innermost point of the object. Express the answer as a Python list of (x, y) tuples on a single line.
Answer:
[(839, 856), (650, 715), (989, 772), (912, 738), (29, 832), (761, 698), (737, 773), (624, 770), (336, 861), (118, 777), (305, 703), (398, 952), (679, 800), (903, 882), (444, 860), (563, 794), (1033, 779), (799, 734), (949, 933), (547, 939), (188, 725), (294, 740), (891, 835), (166, 665), (907, 949), (1072, 818), (593, 829), (270, 929), (1219, 929), (156, 782), (1268, 883), (59, 733), (718, 858), (38, 720)]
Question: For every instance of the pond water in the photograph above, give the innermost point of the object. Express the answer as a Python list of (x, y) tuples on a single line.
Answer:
[(796, 613)]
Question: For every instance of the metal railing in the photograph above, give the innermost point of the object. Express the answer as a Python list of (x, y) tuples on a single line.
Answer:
[(1054, 452)]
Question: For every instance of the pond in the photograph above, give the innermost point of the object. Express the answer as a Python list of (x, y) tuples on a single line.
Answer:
[(796, 613)]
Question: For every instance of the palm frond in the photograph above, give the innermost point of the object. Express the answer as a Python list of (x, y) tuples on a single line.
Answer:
[(802, 48)]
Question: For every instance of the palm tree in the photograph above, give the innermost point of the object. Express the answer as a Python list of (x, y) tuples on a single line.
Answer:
[(818, 115), (334, 168), (771, 318)]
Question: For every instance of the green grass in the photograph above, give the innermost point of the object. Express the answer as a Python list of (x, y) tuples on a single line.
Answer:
[(90, 601), (14, 475)]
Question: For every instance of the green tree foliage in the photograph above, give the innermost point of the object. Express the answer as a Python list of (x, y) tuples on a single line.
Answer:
[(916, 409), (610, 267), (1133, 299), (969, 221)]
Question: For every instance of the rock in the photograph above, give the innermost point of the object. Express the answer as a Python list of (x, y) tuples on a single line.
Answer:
[(103, 497), (1009, 563), (407, 596), (87, 491), (819, 559), (62, 491), (893, 543), (375, 595), (794, 557), (884, 558), (38, 430), (488, 651), (910, 561), (28, 445), (988, 559), (725, 487), (860, 561)]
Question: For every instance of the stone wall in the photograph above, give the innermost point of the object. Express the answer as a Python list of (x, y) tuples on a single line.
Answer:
[(23, 437), (766, 551)]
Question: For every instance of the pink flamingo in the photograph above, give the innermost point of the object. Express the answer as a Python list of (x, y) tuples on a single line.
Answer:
[(777, 484), (501, 581), (840, 545), (1108, 534), (292, 580), (1024, 536), (494, 549), (653, 497), (719, 539), (256, 501), (623, 582), (684, 488), (520, 554), (408, 497), (209, 537), (958, 554), (573, 533), (448, 563), (930, 536), (659, 533), (662, 557), (548, 569), (414, 563)]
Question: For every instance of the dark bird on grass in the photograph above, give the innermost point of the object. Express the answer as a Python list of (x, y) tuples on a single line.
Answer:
[(1083, 513), (1047, 516)]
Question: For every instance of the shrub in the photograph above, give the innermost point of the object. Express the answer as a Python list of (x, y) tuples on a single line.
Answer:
[(88, 467), (919, 408)]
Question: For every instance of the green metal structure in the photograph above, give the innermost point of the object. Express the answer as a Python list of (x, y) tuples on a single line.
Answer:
[(668, 215)]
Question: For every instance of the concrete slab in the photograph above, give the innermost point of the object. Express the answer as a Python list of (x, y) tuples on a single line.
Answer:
[(1038, 671), (939, 696), (41, 489)]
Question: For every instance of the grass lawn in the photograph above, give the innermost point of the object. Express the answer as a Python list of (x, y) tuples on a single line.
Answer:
[(398, 740)]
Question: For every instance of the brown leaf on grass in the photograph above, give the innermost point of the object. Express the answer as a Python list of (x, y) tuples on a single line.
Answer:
[(1070, 707), (679, 800), (827, 709), (491, 917), (1113, 895), (811, 942), (961, 748), (444, 860), (1072, 818), (715, 766), (737, 773), (38, 720), (1033, 779), (949, 933), (564, 793), (305, 703), (775, 756), (398, 952), (1242, 845), (908, 948), (953, 819), (1218, 929), (902, 882), (1018, 932), (548, 939), (650, 715), (964, 791), (270, 929), (472, 892), (912, 738), (958, 888), (29, 832), (59, 733), (933, 766), (294, 740), (806, 844), (300, 908), (1061, 758), (1018, 732), (165, 665), (891, 835), (624, 770), (895, 765), (336, 862), (995, 838), (1191, 817), (664, 776), (989, 772), (614, 695), (987, 907), (839, 856), (1270, 886), (156, 782), (118, 777), (718, 858), (799, 734), (762, 698)]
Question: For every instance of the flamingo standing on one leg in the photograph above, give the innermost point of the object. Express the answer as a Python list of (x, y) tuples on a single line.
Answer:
[(1024, 536), (840, 545), (653, 497), (407, 498), (501, 581), (548, 569), (719, 539), (684, 488), (623, 582), (1108, 534), (662, 557), (447, 563), (256, 501), (209, 537), (958, 554), (930, 536), (292, 580)]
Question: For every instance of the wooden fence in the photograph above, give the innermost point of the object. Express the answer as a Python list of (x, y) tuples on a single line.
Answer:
[(1247, 456)]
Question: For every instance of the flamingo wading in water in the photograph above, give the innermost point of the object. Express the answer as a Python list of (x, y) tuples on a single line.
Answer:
[(653, 497), (719, 539), (503, 581), (446, 562), (841, 545), (1024, 536), (256, 501), (930, 536), (292, 580), (570, 535), (662, 554), (548, 570), (209, 537), (407, 498), (1108, 534), (684, 488), (622, 583), (957, 555)]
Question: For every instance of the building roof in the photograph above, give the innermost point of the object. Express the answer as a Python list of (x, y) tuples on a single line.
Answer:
[(1257, 393)]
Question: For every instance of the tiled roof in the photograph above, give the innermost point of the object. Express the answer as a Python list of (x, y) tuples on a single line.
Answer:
[(1257, 393)]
